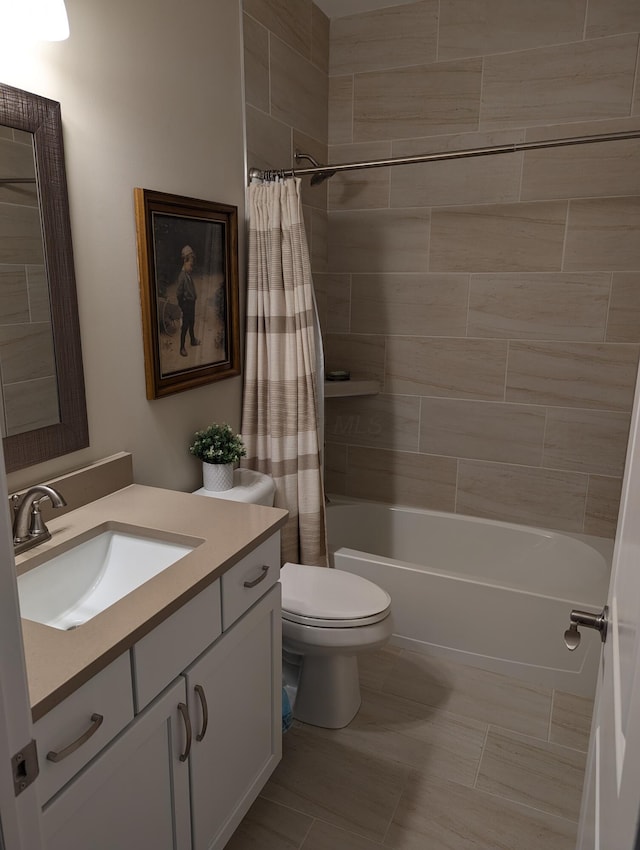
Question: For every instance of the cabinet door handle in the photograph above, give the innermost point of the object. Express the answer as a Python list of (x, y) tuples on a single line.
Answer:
[(184, 711), (205, 711), (261, 577), (96, 723)]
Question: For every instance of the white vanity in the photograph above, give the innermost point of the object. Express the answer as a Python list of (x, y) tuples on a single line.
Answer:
[(159, 720)]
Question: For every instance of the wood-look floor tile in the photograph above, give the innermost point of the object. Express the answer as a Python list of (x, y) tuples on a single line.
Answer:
[(323, 836), (545, 776), (571, 720), (447, 816), (268, 826), (374, 667), (471, 692)]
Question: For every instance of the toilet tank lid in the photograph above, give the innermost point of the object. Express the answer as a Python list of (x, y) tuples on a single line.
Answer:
[(330, 594)]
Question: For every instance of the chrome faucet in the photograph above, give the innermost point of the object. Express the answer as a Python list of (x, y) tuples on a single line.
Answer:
[(29, 528)]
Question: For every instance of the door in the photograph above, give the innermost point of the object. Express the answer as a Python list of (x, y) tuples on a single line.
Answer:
[(19, 816), (611, 797)]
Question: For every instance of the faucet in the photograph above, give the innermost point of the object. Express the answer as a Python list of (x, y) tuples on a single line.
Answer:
[(29, 528)]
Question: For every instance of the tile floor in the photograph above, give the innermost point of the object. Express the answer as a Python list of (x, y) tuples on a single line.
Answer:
[(441, 756)]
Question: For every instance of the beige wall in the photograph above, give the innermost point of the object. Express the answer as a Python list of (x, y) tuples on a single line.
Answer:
[(496, 300), (151, 96)]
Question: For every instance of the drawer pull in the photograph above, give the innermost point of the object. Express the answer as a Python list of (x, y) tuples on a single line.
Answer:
[(96, 723), (184, 711), (205, 711), (261, 577)]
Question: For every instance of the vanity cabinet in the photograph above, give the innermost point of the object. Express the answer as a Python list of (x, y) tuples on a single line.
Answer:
[(207, 732)]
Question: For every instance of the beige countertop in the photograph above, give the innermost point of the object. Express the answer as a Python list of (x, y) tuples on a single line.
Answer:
[(58, 661)]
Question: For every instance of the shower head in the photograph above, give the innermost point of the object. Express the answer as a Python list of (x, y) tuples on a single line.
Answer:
[(321, 176)]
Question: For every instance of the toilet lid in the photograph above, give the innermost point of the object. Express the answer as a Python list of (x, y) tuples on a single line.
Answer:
[(329, 597)]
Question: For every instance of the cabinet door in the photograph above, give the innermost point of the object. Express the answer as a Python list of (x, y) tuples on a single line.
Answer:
[(135, 794), (240, 680)]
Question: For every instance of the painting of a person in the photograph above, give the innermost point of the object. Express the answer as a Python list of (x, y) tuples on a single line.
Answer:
[(187, 297)]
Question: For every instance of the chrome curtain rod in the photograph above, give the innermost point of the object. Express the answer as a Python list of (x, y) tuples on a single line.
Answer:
[(323, 172)]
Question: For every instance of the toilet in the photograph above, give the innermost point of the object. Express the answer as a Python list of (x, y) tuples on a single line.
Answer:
[(328, 618)]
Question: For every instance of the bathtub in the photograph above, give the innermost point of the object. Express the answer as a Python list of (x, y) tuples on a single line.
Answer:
[(485, 593)]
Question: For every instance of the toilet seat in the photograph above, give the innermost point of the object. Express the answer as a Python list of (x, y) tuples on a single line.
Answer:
[(331, 599)]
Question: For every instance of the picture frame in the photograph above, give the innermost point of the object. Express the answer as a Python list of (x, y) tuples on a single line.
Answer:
[(188, 271)]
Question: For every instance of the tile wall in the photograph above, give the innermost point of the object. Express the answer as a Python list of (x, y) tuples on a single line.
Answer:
[(26, 340), (495, 299)]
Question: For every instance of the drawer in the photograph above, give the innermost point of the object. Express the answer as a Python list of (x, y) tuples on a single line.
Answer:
[(169, 649), (69, 731), (250, 579)]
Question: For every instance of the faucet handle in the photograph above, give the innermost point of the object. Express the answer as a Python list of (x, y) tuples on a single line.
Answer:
[(37, 527)]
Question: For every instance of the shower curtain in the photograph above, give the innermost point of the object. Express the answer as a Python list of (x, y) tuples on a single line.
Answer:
[(282, 403)]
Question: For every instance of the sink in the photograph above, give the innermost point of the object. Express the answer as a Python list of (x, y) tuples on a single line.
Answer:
[(70, 588)]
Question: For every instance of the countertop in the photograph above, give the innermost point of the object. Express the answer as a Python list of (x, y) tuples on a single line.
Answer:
[(58, 662)]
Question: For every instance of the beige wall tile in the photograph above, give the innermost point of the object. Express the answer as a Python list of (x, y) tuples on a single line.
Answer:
[(511, 433), (603, 233), (417, 101), (498, 237), (367, 189), (539, 306), (319, 246), (586, 440), (571, 720), (268, 141), (20, 235), (17, 161), (402, 478), (30, 404), (542, 497), (608, 17), (584, 80), (477, 27), (299, 91), (334, 290), (315, 196), (572, 374), (544, 776), (335, 468), (581, 128), (583, 171), (382, 421), (320, 28), (385, 38), (415, 304), (256, 63), (379, 240), (623, 324), (26, 352), (456, 368), (603, 503), (340, 110), (360, 354), (38, 286), (290, 20), (14, 298)]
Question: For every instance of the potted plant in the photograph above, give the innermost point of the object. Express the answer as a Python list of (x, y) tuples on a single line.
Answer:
[(219, 448)]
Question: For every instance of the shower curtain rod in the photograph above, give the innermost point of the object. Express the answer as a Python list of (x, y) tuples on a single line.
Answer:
[(324, 172)]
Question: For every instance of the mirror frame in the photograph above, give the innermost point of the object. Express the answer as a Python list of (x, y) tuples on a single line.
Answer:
[(41, 117)]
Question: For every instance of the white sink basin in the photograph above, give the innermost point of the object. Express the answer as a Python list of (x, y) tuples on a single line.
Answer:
[(71, 588)]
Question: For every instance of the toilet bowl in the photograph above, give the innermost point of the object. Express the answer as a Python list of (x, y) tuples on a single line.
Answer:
[(328, 617)]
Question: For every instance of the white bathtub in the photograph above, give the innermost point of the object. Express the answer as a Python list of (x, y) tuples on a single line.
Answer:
[(485, 593)]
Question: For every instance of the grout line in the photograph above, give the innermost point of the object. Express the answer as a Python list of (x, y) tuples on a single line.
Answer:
[(484, 744), (306, 835), (566, 236), (553, 696), (608, 314)]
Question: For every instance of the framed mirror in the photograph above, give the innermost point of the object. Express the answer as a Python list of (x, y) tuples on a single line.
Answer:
[(42, 382)]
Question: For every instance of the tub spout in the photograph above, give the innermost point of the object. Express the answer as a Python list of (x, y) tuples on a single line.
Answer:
[(29, 528)]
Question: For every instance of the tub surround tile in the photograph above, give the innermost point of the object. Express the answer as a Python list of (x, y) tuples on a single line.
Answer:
[(14, 296), (256, 63), (270, 826), (417, 101), (572, 374), (382, 421), (405, 478), (623, 323), (31, 404), (498, 237), (571, 720), (609, 17), (511, 433), (542, 775), (315, 196), (603, 501), (361, 354), (385, 38), (340, 110), (379, 240), (539, 306), (298, 91), (290, 20), (586, 440), (603, 233), (268, 140), (571, 82), (320, 31), (368, 189), (543, 497), (335, 468), (334, 291), (26, 352), (38, 289), (458, 368), (410, 304), (448, 815), (20, 235), (477, 27)]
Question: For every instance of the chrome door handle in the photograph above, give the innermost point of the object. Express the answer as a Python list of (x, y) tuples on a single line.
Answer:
[(600, 622), (261, 577), (96, 723), (205, 711)]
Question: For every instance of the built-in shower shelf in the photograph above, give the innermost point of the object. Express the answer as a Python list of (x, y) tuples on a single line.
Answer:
[(343, 389)]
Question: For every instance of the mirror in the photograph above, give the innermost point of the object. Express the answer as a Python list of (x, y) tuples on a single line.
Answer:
[(44, 408)]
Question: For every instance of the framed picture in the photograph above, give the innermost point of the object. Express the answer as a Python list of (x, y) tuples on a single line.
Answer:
[(188, 266)]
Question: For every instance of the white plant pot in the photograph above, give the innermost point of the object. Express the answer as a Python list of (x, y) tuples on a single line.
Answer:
[(217, 476)]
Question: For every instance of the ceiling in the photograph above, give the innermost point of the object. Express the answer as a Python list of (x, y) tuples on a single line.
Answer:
[(341, 8)]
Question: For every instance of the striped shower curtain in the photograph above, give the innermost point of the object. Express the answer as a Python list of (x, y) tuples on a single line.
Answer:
[(283, 367)]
